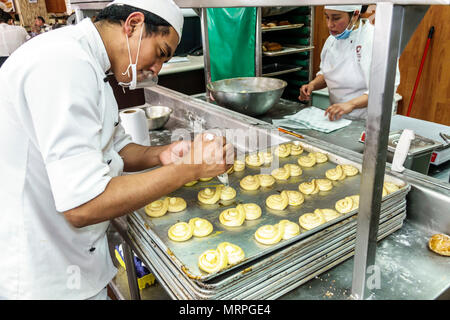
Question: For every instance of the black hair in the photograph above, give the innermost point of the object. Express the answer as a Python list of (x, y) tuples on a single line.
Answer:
[(363, 10), (4, 16), (154, 24), (40, 18)]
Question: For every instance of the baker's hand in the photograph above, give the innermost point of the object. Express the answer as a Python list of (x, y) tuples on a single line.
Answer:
[(175, 152), (305, 92), (335, 111)]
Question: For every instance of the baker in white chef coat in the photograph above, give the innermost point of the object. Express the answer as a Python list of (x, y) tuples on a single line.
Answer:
[(11, 37), (345, 63), (64, 149)]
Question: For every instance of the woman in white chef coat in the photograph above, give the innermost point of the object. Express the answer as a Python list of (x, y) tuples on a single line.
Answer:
[(345, 63), (64, 149)]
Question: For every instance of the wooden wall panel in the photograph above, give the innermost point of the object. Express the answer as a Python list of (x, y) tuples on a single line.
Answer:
[(56, 6)]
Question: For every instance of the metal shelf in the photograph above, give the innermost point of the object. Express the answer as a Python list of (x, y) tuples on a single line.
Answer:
[(286, 27), (277, 69), (291, 49)]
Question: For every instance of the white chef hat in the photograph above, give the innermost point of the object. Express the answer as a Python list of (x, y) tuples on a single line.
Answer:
[(166, 9), (345, 8)]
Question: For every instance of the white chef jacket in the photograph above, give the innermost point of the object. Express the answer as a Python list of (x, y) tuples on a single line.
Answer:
[(11, 37), (345, 65), (59, 141)]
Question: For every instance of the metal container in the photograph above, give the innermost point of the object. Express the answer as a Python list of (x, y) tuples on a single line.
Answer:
[(252, 95), (157, 116)]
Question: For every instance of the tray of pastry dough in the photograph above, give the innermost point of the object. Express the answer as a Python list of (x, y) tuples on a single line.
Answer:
[(311, 256), (281, 27), (288, 49)]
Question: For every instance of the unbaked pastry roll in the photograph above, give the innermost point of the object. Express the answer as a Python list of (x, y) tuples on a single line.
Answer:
[(336, 173), (234, 253), (212, 261), (176, 204), (255, 159), (210, 196), (281, 173), (295, 198), (347, 204), (157, 208), (440, 243), (306, 161), (200, 227), (294, 170), (390, 187), (319, 156), (278, 201), (266, 180), (349, 170), (267, 156), (180, 231), (232, 217), (206, 179), (310, 221), (309, 187), (252, 210), (283, 150), (324, 184), (291, 229), (296, 149), (269, 234), (239, 165), (227, 193), (190, 184), (250, 183), (327, 214)]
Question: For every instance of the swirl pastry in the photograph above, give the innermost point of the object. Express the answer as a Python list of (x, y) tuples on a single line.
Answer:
[(324, 184), (239, 165), (336, 173), (252, 210), (349, 170), (347, 204), (200, 227), (440, 243), (176, 204), (309, 221), (255, 159), (291, 229), (231, 170), (250, 183), (278, 201), (180, 231), (296, 149), (267, 156), (227, 193), (190, 184), (295, 198), (327, 214), (157, 208), (269, 234), (390, 187), (281, 173), (206, 179), (283, 150), (266, 180), (306, 161), (212, 261), (294, 170), (319, 156), (209, 196), (232, 217), (309, 187), (234, 253)]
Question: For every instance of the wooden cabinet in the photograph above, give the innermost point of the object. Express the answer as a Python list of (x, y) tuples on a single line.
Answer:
[(56, 6)]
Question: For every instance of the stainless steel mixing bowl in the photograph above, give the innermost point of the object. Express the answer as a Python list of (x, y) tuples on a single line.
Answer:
[(157, 116), (251, 95)]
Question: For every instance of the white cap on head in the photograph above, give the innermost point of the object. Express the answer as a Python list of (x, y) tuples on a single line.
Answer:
[(166, 9), (345, 8)]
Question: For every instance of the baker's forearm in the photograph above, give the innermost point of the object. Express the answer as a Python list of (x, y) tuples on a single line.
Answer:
[(319, 82), (360, 102), (137, 157)]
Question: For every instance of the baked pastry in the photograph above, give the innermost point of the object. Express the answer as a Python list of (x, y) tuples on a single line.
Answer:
[(324, 184), (347, 204), (176, 204), (294, 170), (309, 187), (281, 173), (250, 183), (296, 149), (157, 208), (440, 243), (349, 170), (272, 46), (206, 179), (180, 231), (327, 214), (306, 161), (284, 23), (283, 150), (295, 198), (390, 187), (255, 159), (212, 261), (319, 156), (190, 184), (232, 217), (234, 253), (266, 180), (269, 234), (267, 156), (200, 227), (310, 221), (210, 196), (227, 193), (252, 210), (291, 229), (239, 165), (278, 201), (336, 173), (272, 24)]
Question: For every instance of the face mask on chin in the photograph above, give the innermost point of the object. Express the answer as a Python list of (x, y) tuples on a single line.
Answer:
[(346, 33), (141, 79)]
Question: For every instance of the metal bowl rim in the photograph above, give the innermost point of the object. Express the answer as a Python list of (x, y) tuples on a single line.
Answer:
[(210, 84)]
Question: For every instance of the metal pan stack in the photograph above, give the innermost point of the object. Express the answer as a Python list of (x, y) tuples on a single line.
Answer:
[(267, 272)]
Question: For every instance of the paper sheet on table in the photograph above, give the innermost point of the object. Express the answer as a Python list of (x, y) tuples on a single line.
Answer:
[(177, 59)]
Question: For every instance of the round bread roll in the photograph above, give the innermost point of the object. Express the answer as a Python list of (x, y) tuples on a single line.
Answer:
[(336, 173), (190, 184), (291, 229), (255, 159), (269, 234), (250, 183), (309, 187), (200, 227), (327, 214), (349, 170), (296, 149), (267, 156), (440, 243), (239, 165), (295, 198), (294, 170), (209, 196), (176, 204), (206, 179), (232, 217), (252, 210), (227, 193), (306, 161), (234, 253), (266, 180), (281, 173), (278, 201), (283, 150), (212, 261), (324, 184), (180, 231), (347, 204), (319, 156), (390, 187), (157, 208), (310, 221)]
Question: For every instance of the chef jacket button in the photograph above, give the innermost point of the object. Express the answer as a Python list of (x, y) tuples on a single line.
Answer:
[(109, 161), (116, 124), (92, 249)]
